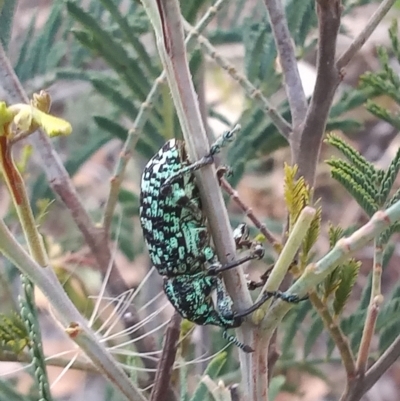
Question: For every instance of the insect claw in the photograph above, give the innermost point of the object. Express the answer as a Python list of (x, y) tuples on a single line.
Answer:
[(224, 171), (258, 251), (232, 339)]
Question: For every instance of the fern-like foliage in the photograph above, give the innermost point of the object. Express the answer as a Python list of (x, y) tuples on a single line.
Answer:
[(14, 336), (369, 186), (385, 82), (339, 284), (297, 196)]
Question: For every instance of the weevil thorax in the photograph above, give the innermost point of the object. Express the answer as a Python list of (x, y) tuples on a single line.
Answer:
[(173, 224)]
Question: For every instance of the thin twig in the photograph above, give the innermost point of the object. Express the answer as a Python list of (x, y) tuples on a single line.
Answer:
[(363, 36), (25, 357), (373, 310), (368, 333), (294, 88), (250, 214), (336, 334), (252, 92), (116, 182), (306, 144), (382, 364), (167, 359)]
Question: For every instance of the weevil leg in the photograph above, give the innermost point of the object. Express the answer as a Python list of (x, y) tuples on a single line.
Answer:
[(235, 341), (241, 236), (204, 161), (215, 148), (252, 285), (227, 317), (257, 253), (223, 171), (267, 295)]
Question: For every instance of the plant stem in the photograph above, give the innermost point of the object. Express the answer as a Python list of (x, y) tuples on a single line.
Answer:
[(288, 253), (336, 334), (306, 144), (250, 214), (263, 337), (316, 272), (368, 333), (363, 36), (293, 85), (376, 300), (167, 359), (16, 187), (166, 19), (252, 92)]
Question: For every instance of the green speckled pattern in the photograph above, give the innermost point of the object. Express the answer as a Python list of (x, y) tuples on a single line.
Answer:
[(175, 231), (191, 297), (173, 224)]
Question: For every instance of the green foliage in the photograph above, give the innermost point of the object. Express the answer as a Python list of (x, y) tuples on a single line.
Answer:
[(369, 186), (293, 323), (30, 316), (14, 336), (7, 10), (8, 393), (347, 279), (42, 52), (311, 237), (298, 195), (316, 328), (385, 82)]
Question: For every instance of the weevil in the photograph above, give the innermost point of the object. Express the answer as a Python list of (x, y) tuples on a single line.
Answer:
[(179, 244)]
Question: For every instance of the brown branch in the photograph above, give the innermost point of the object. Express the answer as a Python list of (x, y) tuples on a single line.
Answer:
[(363, 36), (377, 370), (294, 88), (368, 332), (273, 354), (252, 92), (306, 146), (250, 214), (386, 360), (161, 390), (337, 335)]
